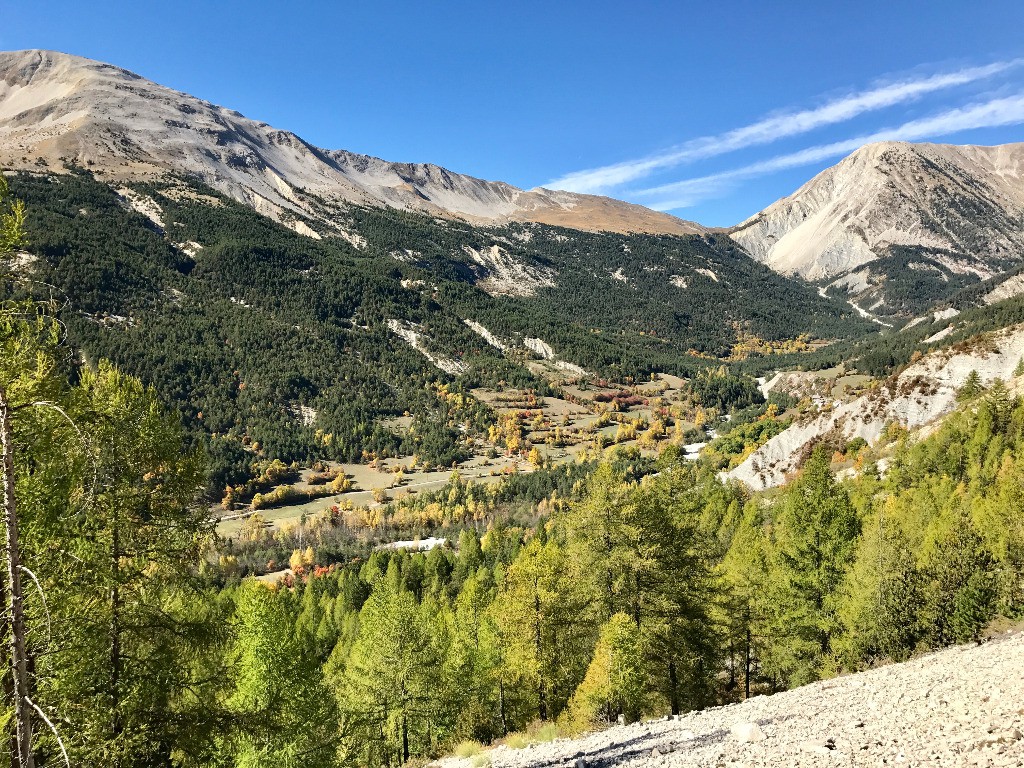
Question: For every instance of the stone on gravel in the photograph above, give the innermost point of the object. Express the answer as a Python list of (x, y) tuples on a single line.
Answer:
[(746, 732), (818, 747)]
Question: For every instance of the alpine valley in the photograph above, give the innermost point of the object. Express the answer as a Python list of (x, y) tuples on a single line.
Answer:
[(665, 451)]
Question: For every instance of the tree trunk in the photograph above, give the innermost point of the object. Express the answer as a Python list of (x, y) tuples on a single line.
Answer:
[(115, 639), (746, 664), (501, 707), (8, 684), (12, 743), (732, 662), (673, 684), (405, 739), (542, 701), (15, 607)]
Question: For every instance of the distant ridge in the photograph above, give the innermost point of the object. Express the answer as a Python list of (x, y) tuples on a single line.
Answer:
[(959, 206), (57, 109)]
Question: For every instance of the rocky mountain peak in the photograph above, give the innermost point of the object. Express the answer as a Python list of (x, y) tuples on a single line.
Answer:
[(962, 205), (57, 109)]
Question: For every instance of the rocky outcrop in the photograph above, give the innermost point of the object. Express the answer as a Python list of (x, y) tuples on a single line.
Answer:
[(958, 707), (962, 206), (57, 109), (502, 274), (921, 394)]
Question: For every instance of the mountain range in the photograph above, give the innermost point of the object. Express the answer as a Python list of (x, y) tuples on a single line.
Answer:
[(961, 205), (56, 108), (312, 453), (951, 214), (271, 288), (894, 226)]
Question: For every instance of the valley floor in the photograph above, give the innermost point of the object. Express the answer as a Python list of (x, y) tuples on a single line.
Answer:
[(958, 707)]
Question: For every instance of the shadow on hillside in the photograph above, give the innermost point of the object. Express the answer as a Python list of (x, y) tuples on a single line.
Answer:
[(642, 746)]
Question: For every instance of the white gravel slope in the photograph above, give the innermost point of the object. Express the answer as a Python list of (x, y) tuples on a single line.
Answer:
[(958, 707)]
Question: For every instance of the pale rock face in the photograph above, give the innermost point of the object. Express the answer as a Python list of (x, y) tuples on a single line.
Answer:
[(56, 108), (413, 335), (504, 275), (965, 199), (679, 282), (1013, 286), (144, 205), (539, 347), (486, 335), (923, 393), (707, 273)]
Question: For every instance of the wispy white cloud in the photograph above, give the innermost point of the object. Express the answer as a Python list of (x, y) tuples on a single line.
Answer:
[(774, 128), (990, 114)]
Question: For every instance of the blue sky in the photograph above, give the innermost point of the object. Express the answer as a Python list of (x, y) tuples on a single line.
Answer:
[(709, 110)]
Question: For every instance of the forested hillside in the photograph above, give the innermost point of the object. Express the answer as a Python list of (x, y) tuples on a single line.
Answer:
[(674, 592), (882, 354), (613, 585), (266, 339), (628, 596)]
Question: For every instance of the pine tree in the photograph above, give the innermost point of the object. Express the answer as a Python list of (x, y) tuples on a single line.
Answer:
[(745, 572), (999, 517), (285, 711), (961, 583), (678, 590), (815, 532), (640, 550), (384, 685), (541, 619), (972, 387), (17, 371), (882, 597), (617, 680), (597, 529), (140, 539), (474, 662), (113, 539)]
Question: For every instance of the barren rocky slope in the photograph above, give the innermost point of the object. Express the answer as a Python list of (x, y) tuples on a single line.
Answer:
[(958, 707), (56, 108), (920, 395), (962, 206)]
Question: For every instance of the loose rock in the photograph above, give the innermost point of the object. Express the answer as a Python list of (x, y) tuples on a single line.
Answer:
[(883, 717), (746, 732)]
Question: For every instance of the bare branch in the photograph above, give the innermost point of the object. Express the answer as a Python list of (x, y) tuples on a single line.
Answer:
[(53, 729), (42, 596)]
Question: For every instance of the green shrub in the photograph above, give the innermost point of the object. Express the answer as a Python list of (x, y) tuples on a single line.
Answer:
[(468, 748), (517, 740)]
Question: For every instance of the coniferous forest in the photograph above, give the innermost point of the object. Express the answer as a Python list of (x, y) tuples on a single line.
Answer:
[(257, 322), (615, 586)]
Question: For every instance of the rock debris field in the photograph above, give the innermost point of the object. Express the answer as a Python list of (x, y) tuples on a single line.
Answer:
[(958, 707)]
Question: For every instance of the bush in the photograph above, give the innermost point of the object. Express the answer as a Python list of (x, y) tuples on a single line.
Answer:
[(537, 732), (468, 748), (284, 495), (517, 740), (541, 733), (854, 446)]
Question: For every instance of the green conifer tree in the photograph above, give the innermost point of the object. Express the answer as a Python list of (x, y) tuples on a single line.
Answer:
[(814, 537)]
